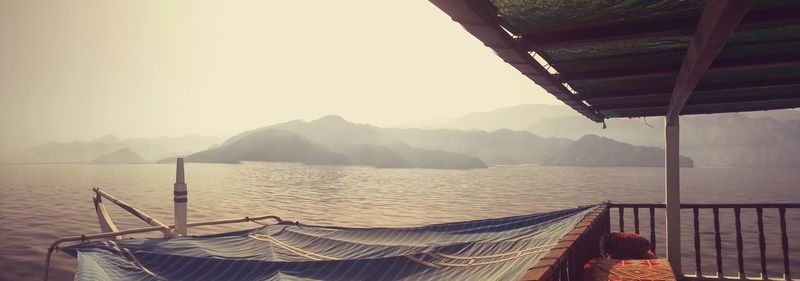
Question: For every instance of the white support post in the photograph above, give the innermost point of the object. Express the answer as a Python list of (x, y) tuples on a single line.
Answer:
[(180, 198), (672, 193)]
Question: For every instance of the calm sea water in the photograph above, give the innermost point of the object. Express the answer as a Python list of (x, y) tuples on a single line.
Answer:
[(39, 203)]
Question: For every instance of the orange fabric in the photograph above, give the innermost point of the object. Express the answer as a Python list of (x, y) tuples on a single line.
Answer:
[(600, 269)]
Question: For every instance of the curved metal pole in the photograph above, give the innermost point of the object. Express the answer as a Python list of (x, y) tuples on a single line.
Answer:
[(87, 237), (106, 224), (245, 219), (145, 217)]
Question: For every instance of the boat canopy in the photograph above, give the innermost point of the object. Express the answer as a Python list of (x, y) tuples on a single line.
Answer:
[(610, 59), (492, 249), (646, 58)]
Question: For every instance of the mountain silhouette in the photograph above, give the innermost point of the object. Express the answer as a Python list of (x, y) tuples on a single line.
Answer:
[(592, 150), (368, 145), (273, 146), (122, 156), (354, 144)]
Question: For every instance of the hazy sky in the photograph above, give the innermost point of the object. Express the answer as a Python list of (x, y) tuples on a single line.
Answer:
[(77, 70)]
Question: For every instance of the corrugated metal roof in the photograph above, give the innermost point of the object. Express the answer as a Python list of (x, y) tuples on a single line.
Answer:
[(610, 59)]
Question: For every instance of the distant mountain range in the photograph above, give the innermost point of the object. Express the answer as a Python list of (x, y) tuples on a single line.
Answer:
[(513, 118), (722, 140), (592, 150), (149, 150), (270, 145), (122, 156), (501, 147), (751, 139), (525, 134), (334, 141)]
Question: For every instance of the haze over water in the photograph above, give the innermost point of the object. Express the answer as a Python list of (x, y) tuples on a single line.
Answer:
[(43, 202), (149, 69)]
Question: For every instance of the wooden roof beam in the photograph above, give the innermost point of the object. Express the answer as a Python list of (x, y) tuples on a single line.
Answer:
[(596, 98), (764, 18), (698, 100), (732, 106), (653, 71), (716, 24), (677, 52)]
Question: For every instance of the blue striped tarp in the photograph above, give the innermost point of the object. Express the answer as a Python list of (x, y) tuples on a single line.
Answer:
[(492, 249)]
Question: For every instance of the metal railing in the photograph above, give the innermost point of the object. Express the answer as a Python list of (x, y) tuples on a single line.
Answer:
[(736, 210)]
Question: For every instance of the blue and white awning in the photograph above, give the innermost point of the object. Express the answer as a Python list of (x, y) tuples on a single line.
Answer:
[(492, 249)]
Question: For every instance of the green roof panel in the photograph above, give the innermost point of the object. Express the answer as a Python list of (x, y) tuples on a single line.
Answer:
[(549, 16)]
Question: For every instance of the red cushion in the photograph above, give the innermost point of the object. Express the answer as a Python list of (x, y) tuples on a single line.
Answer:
[(625, 246)]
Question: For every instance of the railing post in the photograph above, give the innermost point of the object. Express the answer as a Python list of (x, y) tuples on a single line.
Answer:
[(739, 241), (718, 243), (180, 199), (672, 193), (787, 275), (762, 243), (653, 229), (739, 244), (697, 257)]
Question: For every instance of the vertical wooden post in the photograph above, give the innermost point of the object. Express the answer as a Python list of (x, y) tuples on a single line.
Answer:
[(621, 219), (787, 275), (697, 257), (573, 266), (556, 275), (653, 229), (717, 22), (672, 193), (718, 243), (739, 244), (636, 220), (762, 245), (180, 199)]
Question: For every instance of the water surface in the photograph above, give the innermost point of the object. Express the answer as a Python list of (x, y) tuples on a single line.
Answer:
[(39, 203)]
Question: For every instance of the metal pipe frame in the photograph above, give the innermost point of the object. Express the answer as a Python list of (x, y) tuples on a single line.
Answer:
[(139, 214), (87, 237)]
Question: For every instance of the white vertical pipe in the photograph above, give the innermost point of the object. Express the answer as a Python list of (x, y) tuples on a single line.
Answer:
[(180, 198), (672, 193)]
